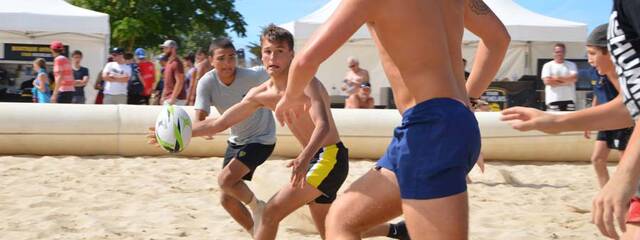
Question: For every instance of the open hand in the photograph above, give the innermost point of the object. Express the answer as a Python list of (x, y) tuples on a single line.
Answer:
[(151, 137), (527, 119), (611, 204), (298, 172)]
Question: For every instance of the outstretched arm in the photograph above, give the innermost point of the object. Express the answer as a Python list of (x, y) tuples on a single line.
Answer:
[(494, 41), (608, 116), (237, 113)]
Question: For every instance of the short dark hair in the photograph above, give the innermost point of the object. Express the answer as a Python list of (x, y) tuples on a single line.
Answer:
[(221, 43), (564, 48), (128, 56), (603, 50), (76, 52), (191, 57), (273, 33), (202, 51)]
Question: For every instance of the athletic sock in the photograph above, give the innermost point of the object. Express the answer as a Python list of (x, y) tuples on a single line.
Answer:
[(398, 231)]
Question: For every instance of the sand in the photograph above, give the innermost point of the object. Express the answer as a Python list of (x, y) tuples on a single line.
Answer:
[(177, 198)]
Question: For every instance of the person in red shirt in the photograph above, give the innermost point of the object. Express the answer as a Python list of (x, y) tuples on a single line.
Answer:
[(173, 92), (63, 75), (148, 72)]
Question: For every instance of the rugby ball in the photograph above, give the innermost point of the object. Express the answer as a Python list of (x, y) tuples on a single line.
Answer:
[(173, 129)]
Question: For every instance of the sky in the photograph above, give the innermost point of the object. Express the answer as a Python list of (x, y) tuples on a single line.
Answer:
[(259, 13)]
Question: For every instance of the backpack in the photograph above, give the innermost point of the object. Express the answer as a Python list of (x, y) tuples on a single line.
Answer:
[(135, 85)]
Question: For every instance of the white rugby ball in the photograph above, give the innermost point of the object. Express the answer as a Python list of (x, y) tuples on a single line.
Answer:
[(173, 128)]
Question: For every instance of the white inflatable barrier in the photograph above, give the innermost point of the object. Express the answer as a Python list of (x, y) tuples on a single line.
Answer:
[(69, 129)]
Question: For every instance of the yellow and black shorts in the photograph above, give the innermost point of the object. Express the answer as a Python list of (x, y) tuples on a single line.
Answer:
[(328, 170)]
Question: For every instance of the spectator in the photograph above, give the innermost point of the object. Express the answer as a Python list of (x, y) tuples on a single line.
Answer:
[(159, 86), (63, 75), (202, 66), (189, 61), (173, 91), (80, 76), (41, 83), (99, 85), (135, 87), (116, 75), (355, 77), (361, 99), (560, 77), (147, 72)]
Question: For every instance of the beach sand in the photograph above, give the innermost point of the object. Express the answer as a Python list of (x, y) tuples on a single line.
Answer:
[(177, 198)]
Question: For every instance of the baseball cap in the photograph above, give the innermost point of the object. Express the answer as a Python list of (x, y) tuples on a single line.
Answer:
[(140, 53), (162, 57), (117, 50), (598, 37), (55, 45), (169, 43)]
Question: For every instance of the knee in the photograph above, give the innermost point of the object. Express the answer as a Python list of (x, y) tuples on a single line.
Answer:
[(272, 214), (225, 182), (599, 159)]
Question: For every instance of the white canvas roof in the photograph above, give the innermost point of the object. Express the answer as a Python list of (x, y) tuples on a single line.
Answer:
[(52, 16), (522, 24)]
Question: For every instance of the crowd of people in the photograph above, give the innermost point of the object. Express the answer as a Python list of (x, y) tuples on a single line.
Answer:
[(126, 78)]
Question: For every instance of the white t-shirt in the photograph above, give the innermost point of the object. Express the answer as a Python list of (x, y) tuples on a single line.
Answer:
[(115, 69), (559, 93)]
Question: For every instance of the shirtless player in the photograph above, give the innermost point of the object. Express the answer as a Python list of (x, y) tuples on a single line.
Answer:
[(422, 174)]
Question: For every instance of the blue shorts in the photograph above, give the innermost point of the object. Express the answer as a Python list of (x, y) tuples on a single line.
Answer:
[(433, 150)]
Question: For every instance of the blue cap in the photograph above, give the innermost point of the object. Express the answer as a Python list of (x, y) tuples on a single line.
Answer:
[(140, 53)]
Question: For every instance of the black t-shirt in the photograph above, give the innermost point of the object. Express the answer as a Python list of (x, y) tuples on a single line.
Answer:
[(79, 74), (624, 46)]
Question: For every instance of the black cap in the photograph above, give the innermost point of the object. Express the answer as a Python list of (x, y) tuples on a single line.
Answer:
[(117, 50), (598, 36)]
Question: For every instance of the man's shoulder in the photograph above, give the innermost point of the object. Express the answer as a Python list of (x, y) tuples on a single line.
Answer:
[(208, 78)]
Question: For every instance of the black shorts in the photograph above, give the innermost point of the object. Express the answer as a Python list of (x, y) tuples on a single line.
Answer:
[(65, 97), (561, 106), (251, 155), (616, 139), (327, 171)]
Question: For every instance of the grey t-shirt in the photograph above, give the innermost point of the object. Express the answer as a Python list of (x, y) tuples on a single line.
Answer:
[(260, 127)]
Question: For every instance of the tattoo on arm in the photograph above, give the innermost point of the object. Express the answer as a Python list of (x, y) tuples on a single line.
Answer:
[(479, 7)]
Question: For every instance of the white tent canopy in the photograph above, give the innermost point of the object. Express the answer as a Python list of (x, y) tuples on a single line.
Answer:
[(51, 16), (532, 37), (42, 21)]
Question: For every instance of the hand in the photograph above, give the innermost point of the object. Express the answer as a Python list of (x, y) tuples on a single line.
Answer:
[(54, 98), (151, 137), (612, 203), (289, 109), (170, 101), (587, 134), (299, 171), (527, 119)]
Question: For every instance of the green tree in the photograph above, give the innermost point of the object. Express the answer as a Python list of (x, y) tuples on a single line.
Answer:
[(146, 23), (256, 50)]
